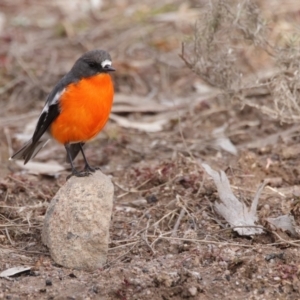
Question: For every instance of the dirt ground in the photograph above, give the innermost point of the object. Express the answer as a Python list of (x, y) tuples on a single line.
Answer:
[(167, 240)]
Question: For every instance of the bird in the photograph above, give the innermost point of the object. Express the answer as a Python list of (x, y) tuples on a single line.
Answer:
[(76, 110)]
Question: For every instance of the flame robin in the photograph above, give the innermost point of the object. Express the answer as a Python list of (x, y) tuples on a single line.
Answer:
[(76, 110)]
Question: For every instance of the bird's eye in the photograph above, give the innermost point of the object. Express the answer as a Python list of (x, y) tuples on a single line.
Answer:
[(92, 64)]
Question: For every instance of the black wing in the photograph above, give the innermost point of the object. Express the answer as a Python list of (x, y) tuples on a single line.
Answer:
[(49, 114), (44, 121), (51, 108), (35, 144)]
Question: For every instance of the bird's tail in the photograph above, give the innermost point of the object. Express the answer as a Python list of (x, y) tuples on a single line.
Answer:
[(29, 150)]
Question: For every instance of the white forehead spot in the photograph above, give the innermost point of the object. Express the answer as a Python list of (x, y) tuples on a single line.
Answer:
[(106, 63)]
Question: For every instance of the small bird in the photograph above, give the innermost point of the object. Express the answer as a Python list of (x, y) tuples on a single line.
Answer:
[(76, 110)]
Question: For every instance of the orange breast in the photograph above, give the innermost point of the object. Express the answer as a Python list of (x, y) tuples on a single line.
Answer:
[(84, 109)]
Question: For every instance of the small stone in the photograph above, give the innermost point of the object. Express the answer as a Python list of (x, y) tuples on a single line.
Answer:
[(139, 202), (277, 278), (96, 289), (151, 199), (167, 279), (193, 291), (76, 225), (34, 273), (48, 282), (196, 275)]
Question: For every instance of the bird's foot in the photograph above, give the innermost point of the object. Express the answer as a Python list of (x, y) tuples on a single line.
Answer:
[(90, 169), (84, 173)]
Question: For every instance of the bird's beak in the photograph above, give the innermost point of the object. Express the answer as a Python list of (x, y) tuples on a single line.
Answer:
[(110, 69)]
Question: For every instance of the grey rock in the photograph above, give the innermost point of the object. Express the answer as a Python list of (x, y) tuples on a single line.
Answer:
[(76, 225)]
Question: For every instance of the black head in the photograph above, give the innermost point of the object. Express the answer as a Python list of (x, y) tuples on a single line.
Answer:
[(92, 63)]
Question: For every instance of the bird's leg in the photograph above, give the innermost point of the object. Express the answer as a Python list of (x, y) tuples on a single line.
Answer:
[(74, 171), (87, 167)]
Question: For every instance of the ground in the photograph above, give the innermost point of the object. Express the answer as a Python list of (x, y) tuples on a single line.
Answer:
[(167, 240)]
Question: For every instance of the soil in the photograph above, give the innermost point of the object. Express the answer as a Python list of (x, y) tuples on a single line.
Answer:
[(167, 240)]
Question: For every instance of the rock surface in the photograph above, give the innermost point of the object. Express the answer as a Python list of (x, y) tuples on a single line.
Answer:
[(76, 225)]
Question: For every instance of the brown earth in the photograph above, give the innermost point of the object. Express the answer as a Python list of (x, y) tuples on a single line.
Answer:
[(167, 241)]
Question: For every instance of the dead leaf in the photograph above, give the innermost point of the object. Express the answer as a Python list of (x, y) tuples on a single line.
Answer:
[(284, 223), (153, 126), (14, 271), (50, 168), (236, 213)]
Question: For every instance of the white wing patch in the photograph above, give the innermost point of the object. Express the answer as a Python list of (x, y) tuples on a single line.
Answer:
[(53, 101), (106, 63), (56, 97)]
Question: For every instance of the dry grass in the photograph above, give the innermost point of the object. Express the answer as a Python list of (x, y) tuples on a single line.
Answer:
[(226, 37)]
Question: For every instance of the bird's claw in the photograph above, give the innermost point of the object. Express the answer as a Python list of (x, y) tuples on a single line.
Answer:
[(84, 173)]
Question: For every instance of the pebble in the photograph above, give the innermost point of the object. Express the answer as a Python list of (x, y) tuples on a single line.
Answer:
[(276, 278), (193, 291), (48, 282)]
